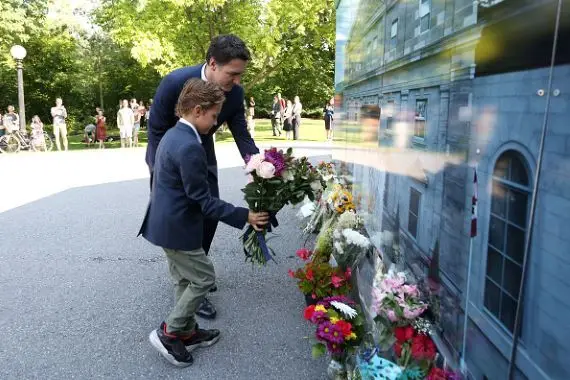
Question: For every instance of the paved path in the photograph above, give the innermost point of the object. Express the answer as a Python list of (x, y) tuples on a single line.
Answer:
[(79, 292)]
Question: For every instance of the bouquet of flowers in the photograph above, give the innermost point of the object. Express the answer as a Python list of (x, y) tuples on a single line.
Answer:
[(396, 301), (327, 171), (318, 279), (415, 351), (340, 326), (277, 179), (349, 246)]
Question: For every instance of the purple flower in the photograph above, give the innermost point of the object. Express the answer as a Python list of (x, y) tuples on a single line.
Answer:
[(334, 348), (277, 159), (318, 317), (330, 333)]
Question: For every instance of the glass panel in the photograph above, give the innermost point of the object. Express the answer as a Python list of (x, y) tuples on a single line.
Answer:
[(502, 167), (508, 311), (498, 202), (512, 279), (518, 205), (414, 201), (497, 233), (492, 298), (479, 106), (515, 243), (495, 265), (518, 172)]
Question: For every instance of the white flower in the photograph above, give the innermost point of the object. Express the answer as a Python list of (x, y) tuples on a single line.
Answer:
[(355, 238), (254, 162), (327, 178), (336, 234), (344, 309), (316, 185), (338, 247), (266, 170), (288, 176)]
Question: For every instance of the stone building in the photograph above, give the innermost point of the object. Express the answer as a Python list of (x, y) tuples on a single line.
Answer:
[(463, 84)]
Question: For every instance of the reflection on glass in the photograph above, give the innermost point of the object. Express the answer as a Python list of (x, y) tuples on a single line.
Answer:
[(461, 86)]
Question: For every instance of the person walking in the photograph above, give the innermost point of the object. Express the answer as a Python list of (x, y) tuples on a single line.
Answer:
[(137, 125), (126, 124), (59, 115), (11, 120), (328, 114), (276, 115), (225, 62), (142, 112), (297, 110)]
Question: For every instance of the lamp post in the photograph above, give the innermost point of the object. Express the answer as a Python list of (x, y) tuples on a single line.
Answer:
[(19, 53)]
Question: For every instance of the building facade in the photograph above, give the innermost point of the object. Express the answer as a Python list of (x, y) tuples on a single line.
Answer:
[(464, 86)]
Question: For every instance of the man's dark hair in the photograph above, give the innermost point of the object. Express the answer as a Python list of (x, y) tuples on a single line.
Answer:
[(226, 47)]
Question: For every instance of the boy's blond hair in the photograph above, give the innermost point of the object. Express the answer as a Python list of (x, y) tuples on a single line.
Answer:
[(196, 92)]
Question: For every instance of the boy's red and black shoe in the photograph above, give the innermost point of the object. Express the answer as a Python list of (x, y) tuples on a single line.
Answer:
[(201, 338), (171, 347)]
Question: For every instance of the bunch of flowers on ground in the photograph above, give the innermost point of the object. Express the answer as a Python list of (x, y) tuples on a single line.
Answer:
[(318, 279), (339, 326), (277, 179), (349, 246)]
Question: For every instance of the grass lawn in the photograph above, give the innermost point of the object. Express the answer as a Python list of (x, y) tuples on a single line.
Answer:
[(310, 130)]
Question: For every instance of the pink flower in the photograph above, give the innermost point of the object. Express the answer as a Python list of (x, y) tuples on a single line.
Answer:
[(265, 170), (303, 253), (392, 316), (336, 281), (254, 162), (291, 273), (348, 273), (411, 290)]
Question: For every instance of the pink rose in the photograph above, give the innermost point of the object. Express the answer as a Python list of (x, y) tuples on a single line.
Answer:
[(392, 316), (266, 170), (254, 162)]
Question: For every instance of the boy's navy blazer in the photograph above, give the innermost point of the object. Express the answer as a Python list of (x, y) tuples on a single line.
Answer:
[(181, 197), (162, 117)]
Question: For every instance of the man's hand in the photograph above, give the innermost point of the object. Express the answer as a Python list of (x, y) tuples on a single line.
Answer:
[(257, 219)]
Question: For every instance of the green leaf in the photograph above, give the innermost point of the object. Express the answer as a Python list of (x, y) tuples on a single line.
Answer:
[(319, 349)]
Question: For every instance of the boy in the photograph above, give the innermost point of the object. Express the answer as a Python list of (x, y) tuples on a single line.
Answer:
[(180, 201)]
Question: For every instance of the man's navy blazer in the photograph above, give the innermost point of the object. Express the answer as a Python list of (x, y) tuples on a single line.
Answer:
[(162, 117), (181, 197)]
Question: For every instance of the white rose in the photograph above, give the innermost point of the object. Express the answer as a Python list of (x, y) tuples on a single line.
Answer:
[(266, 170), (288, 175), (316, 185), (254, 162)]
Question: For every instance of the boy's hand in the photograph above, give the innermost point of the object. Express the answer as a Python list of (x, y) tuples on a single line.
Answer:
[(257, 219)]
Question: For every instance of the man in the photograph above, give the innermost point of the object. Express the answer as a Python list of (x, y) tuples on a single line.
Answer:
[(226, 61), (126, 124), (89, 134), (276, 113), (59, 114)]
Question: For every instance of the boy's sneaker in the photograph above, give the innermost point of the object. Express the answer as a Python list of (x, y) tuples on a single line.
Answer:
[(171, 347), (201, 338)]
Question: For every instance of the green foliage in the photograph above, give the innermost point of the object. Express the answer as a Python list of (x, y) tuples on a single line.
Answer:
[(319, 349)]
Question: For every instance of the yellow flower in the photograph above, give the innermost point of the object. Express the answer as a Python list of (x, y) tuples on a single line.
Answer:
[(320, 308), (351, 336), (334, 320)]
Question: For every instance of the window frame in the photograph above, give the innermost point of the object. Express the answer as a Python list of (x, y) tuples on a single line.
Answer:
[(507, 222), (425, 11), (421, 119), (417, 214)]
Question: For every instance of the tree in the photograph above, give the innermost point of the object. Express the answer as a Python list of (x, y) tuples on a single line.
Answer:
[(292, 41)]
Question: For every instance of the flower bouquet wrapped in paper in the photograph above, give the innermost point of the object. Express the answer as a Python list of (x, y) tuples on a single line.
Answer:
[(277, 179)]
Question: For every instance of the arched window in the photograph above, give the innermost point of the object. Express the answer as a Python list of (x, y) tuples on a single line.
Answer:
[(507, 230)]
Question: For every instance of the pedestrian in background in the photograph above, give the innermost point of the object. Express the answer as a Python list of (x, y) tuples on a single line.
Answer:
[(297, 110), (328, 112), (101, 131), (276, 114), (59, 115), (288, 120)]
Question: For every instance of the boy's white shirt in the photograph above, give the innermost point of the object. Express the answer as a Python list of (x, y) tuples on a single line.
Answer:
[(184, 121)]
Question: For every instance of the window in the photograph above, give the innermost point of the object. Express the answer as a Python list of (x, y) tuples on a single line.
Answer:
[(386, 188), (420, 119), (424, 15), (414, 212), (374, 44), (389, 114), (507, 231), (394, 33)]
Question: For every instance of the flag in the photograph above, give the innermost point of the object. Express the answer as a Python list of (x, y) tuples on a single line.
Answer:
[(474, 205)]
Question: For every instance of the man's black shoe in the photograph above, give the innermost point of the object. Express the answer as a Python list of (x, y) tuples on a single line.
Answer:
[(171, 347), (214, 289), (206, 310), (201, 338)]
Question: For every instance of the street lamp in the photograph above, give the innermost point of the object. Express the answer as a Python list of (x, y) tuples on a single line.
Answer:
[(19, 53)]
